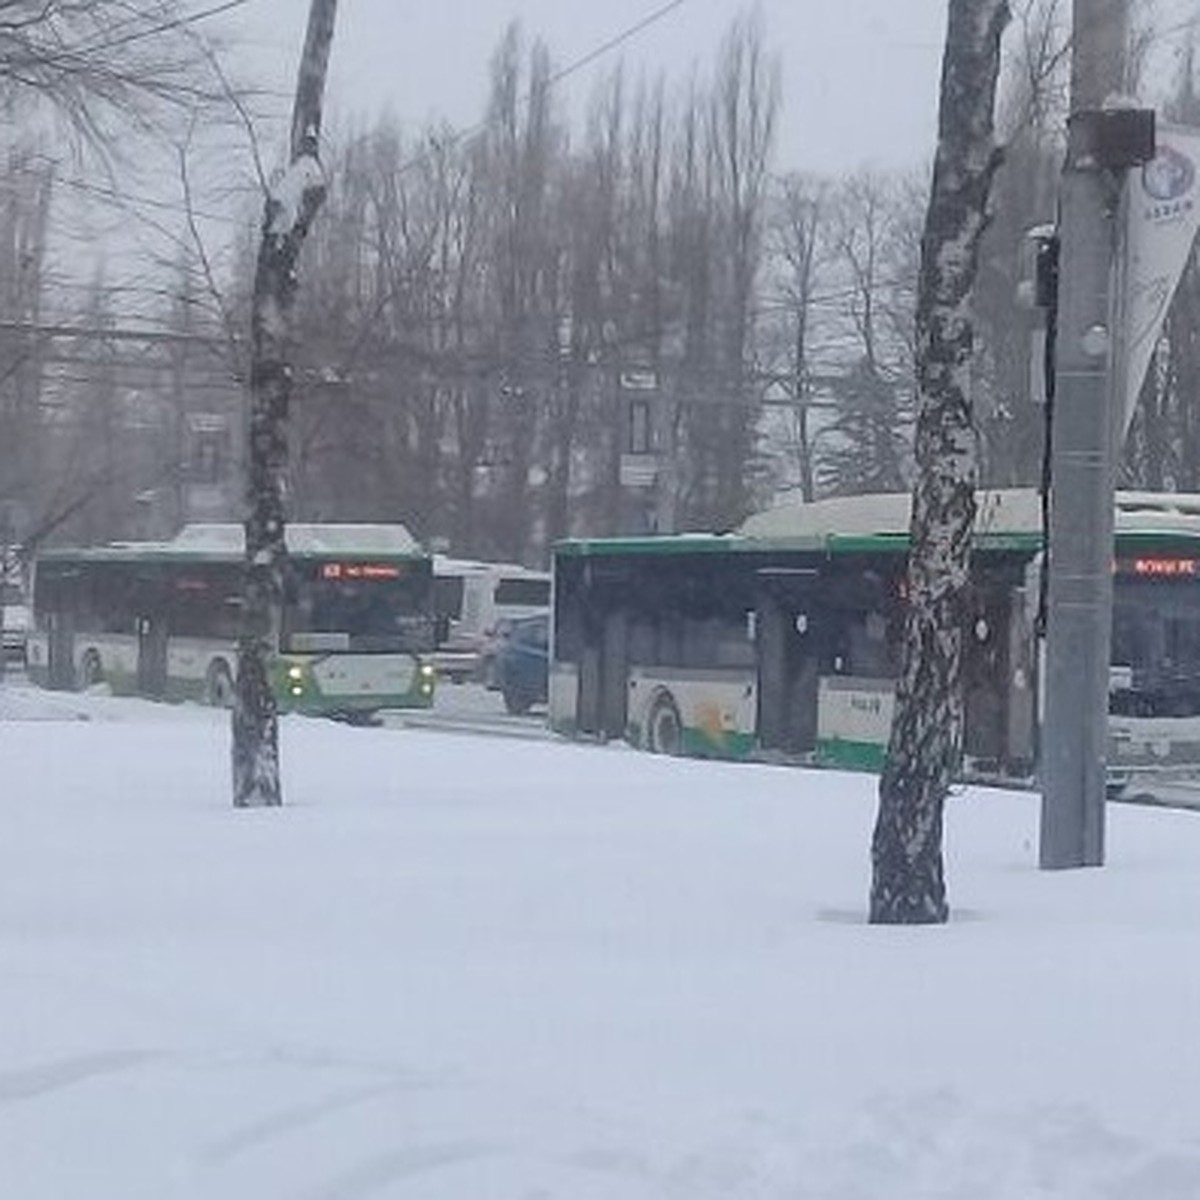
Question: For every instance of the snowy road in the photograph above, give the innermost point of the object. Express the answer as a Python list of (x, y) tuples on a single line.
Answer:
[(471, 708)]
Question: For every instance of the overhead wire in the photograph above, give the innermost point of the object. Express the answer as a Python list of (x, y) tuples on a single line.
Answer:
[(138, 34), (112, 195), (557, 77)]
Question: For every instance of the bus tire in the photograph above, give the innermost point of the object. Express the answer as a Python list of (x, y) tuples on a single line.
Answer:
[(91, 671), (664, 727), (218, 684)]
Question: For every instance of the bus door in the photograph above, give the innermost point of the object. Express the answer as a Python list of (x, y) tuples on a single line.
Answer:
[(999, 671), (603, 673), (591, 653), (614, 696), (60, 649), (152, 656), (788, 650), (998, 685)]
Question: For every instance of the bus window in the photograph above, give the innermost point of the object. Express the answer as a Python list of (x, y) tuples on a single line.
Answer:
[(371, 614), (522, 592)]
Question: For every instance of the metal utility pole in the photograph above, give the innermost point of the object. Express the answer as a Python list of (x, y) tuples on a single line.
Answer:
[(1074, 745)]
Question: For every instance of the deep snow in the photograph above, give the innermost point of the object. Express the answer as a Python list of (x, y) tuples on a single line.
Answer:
[(482, 969)]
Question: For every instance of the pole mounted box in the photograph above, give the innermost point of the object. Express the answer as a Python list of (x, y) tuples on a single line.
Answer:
[(1045, 269), (1111, 139)]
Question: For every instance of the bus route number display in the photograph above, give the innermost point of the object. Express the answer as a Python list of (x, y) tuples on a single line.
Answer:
[(1160, 568), (359, 570)]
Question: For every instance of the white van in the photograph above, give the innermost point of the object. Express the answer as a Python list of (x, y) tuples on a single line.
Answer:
[(474, 601)]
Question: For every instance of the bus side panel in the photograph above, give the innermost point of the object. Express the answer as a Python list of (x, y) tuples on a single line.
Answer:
[(117, 654), (717, 708), (564, 697), (189, 661), (854, 721)]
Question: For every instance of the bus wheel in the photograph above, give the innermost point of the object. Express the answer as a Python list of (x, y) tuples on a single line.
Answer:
[(90, 670), (664, 729), (218, 684)]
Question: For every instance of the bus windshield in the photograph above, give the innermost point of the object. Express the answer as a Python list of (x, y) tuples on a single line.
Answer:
[(360, 607)]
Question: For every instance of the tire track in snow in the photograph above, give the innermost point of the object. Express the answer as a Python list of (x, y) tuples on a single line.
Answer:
[(406, 1162), (16, 1086)]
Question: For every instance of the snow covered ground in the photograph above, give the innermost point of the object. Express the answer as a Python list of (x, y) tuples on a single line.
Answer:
[(460, 968)]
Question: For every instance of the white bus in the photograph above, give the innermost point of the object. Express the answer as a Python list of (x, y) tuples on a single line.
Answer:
[(475, 602), (161, 619), (781, 641)]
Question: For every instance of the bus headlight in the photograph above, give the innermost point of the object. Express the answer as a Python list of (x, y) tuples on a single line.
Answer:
[(295, 674), (428, 671)]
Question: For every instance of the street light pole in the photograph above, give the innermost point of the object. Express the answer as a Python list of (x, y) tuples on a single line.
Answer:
[(1074, 745)]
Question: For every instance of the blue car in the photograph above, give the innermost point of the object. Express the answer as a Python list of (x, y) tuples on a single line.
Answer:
[(523, 663)]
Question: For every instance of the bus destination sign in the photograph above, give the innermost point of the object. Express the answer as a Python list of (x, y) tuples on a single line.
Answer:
[(359, 570), (1160, 568)]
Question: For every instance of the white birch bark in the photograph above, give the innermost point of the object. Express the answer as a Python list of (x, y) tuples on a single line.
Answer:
[(291, 204), (908, 882)]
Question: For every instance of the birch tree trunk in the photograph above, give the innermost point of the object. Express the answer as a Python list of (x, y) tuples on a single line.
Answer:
[(291, 204), (908, 884)]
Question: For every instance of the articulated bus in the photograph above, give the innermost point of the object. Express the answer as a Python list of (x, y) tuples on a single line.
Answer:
[(781, 641), (161, 619)]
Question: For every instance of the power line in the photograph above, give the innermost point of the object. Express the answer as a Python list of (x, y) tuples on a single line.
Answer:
[(570, 69), (121, 199), (619, 40), (114, 196), (115, 334), (68, 54)]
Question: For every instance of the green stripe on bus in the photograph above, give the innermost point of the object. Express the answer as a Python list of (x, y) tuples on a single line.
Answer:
[(851, 755)]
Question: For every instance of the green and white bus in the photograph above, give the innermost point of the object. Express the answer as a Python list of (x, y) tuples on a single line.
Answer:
[(780, 641), (161, 619)]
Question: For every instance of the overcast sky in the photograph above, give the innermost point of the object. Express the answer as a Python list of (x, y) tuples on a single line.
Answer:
[(859, 76)]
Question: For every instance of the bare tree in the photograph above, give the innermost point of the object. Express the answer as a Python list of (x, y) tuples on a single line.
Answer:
[(716, 202), (799, 218), (24, 223), (868, 447), (1031, 115), (742, 117), (97, 63), (521, 144), (908, 883), (291, 205)]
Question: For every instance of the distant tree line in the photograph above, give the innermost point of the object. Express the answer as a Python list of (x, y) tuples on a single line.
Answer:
[(528, 331)]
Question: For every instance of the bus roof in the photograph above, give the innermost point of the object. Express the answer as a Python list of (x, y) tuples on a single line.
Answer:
[(444, 564), (1006, 519), (226, 540)]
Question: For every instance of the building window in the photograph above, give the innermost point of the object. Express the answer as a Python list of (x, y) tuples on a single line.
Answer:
[(640, 441)]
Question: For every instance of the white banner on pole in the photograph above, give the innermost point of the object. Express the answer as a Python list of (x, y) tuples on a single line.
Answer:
[(1162, 216)]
